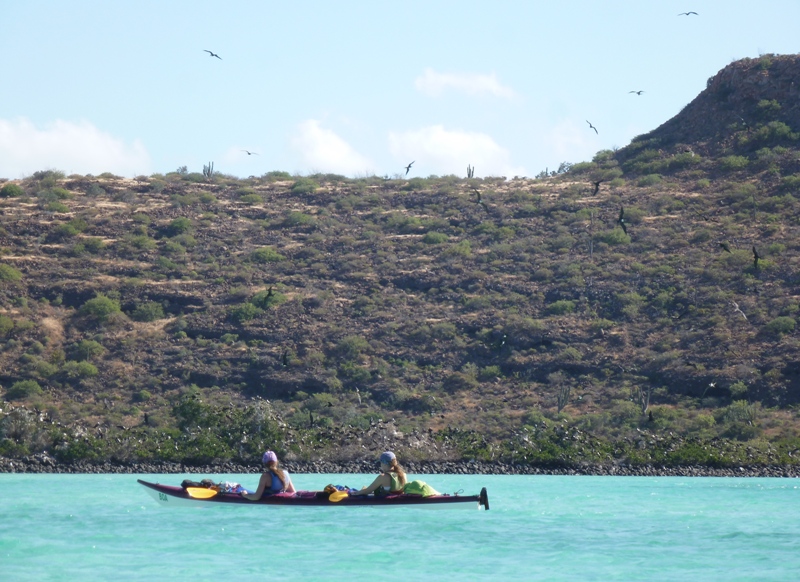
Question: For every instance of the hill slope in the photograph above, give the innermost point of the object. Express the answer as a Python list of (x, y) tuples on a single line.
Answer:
[(201, 318)]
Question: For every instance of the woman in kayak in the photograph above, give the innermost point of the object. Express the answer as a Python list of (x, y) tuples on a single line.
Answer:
[(273, 480), (391, 480)]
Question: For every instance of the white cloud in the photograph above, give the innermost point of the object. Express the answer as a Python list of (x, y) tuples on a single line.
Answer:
[(321, 150), (74, 148), (440, 151), (433, 84)]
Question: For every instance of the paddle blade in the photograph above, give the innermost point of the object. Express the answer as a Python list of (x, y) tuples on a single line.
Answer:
[(200, 492), (337, 496)]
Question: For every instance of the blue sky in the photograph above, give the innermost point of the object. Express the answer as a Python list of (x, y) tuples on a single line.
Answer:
[(357, 88)]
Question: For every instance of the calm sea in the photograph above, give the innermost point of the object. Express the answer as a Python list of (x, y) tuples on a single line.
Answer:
[(106, 527)]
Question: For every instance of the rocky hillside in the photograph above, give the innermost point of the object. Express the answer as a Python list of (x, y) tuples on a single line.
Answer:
[(200, 317)]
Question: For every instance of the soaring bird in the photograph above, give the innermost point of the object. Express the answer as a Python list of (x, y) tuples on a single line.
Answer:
[(408, 168), (687, 13), (725, 247), (756, 256), (597, 187), (637, 92), (212, 54), (250, 153), (480, 200), (592, 126), (621, 219)]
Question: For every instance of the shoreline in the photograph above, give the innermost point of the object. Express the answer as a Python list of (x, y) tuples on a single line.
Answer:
[(43, 463)]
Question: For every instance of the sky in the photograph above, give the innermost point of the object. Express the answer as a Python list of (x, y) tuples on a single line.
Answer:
[(357, 88)]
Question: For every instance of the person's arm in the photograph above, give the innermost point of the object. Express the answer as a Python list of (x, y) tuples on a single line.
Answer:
[(263, 483), (288, 486), (380, 481)]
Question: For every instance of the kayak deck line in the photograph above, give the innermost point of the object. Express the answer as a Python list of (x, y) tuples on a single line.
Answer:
[(172, 495)]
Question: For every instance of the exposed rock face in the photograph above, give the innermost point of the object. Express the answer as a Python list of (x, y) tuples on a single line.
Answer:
[(735, 99)]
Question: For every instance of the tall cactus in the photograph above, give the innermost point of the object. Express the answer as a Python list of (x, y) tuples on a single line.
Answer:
[(470, 171), (208, 171)]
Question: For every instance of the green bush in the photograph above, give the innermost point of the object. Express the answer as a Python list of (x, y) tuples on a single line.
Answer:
[(78, 370), (434, 238), (266, 255), (781, 326), (101, 308), (298, 219), (6, 325), (9, 274), (561, 307), (267, 299), (148, 311), (11, 191), (733, 163), (86, 350), (178, 226), (304, 186), (244, 312), (23, 389)]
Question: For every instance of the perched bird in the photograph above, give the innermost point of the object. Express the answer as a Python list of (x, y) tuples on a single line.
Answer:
[(637, 92), (408, 168), (687, 13), (725, 247), (212, 54), (592, 126), (756, 256), (250, 153), (621, 219)]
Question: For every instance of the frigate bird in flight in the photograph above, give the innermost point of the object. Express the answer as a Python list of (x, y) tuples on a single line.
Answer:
[(756, 257), (637, 92), (687, 13), (597, 187), (250, 153), (725, 247), (408, 168), (480, 200), (593, 127), (212, 54), (621, 219)]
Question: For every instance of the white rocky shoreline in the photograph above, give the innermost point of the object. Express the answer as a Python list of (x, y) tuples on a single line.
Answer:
[(44, 463)]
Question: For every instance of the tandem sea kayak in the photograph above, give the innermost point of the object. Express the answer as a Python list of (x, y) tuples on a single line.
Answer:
[(171, 495)]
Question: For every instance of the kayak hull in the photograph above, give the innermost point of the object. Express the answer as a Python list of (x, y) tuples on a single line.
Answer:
[(177, 496)]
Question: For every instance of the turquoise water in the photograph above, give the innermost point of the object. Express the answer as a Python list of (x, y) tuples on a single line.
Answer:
[(106, 527)]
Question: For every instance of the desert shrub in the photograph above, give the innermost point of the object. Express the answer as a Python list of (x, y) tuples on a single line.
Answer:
[(178, 226), (23, 389), (780, 326), (6, 325), (304, 186), (614, 236), (9, 274), (277, 176), (148, 311), (434, 238), (649, 180), (74, 370), (458, 381), (298, 219), (93, 244), (11, 191), (101, 308), (266, 255), (86, 350), (244, 312), (143, 396), (351, 347), (267, 299), (561, 307), (733, 163)]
